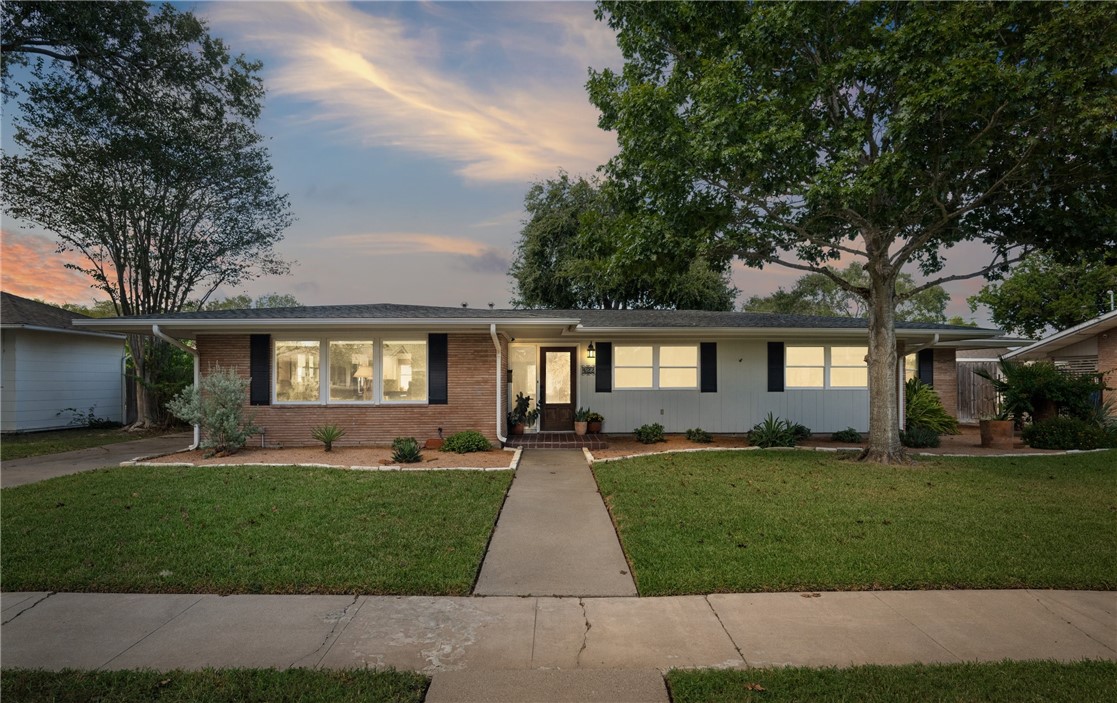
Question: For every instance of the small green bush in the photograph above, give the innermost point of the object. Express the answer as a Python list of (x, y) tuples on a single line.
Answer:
[(650, 434), (327, 435), (922, 406), (919, 436), (774, 432), (218, 409), (699, 436), (465, 442), (802, 432), (848, 435), (1069, 433), (405, 450)]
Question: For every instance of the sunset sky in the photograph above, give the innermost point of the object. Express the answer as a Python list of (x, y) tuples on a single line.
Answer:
[(406, 135)]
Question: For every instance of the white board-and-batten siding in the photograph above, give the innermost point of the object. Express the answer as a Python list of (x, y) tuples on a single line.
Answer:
[(742, 399), (46, 372)]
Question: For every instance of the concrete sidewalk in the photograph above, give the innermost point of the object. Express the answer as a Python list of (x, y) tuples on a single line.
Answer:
[(18, 472), (554, 536), (437, 635)]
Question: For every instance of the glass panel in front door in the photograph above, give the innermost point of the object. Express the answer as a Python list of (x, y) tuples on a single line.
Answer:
[(558, 377)]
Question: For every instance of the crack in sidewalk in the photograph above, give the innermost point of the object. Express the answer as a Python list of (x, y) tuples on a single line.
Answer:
[(340, 620), (725, 630), (585, 634), (1063, 619), (48, 595)]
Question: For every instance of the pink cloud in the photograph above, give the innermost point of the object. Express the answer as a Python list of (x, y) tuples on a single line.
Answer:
[(30, 266)]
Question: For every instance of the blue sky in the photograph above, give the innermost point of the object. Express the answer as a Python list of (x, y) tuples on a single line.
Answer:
[(407, 135)]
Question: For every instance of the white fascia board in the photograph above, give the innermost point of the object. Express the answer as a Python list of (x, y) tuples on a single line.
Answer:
[(59, 330), (1067, 337), (770, 332), (142, 325)]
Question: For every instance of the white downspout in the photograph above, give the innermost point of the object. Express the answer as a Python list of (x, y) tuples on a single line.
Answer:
[(197, 372), (499, 383)]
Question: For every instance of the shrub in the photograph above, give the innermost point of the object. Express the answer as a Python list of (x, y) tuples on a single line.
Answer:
[(650, 434), (1069, 433), (773, 432), (918, 436), (1042, 389), (922, 406), (218, 409), (327, 435), (802, 432), (465, 442), (849, 435), (89, 419), (405, 450), (699, 436)]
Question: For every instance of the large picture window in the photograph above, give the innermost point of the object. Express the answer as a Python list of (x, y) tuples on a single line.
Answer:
[(826, 367), (350, 371), (670, 367)]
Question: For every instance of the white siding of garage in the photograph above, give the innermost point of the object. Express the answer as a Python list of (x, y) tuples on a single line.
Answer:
[(45, 372)]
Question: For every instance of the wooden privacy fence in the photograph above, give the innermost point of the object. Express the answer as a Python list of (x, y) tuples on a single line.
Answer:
[(976, 397)]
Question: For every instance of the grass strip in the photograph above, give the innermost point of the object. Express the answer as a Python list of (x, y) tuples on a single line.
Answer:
[(214, 686), (990, 682), (785, 521), (250, 530), (23, 445)]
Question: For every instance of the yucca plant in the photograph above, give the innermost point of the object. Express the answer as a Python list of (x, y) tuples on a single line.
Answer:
[(405, 450), (327, 435)]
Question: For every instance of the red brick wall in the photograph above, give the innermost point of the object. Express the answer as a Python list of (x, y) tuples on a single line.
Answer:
[(1107, 360), (471, 371), (946, 379)]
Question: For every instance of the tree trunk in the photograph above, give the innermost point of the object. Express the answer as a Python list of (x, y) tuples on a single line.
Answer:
[(884, 407), (142, 370)]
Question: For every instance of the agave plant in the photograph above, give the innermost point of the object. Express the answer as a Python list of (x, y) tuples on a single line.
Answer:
[(327, 435)]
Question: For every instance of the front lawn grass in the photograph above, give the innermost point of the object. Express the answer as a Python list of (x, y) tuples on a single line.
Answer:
[(722, 522), (999, 682), (214, 686), (25, 444), (250, 530)]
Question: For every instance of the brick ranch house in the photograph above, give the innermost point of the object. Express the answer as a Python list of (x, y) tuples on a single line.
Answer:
[(385, 370)]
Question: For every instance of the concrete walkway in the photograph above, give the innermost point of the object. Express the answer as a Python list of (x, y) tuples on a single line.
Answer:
[(554, 536), (18, 472), (437, 635)]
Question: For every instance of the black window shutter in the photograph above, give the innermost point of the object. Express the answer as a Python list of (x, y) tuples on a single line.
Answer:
[(259, 367), (708, 367), (603, 376), (925, 365), (437, 390), (775, 367)]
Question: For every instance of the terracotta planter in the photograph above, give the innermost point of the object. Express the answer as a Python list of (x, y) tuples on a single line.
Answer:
[(580, 427), (997, 434), (518, 428), (432, 444), (594, 427)]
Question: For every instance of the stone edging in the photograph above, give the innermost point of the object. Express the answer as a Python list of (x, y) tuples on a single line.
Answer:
[(142, 461), (594, 460)]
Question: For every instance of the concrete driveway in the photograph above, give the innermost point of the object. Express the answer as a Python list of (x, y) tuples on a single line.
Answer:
[(18, 472)]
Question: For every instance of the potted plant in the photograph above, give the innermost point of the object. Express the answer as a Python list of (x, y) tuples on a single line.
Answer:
[(997, 429), (581, 420), (594, 420), (521, 416)]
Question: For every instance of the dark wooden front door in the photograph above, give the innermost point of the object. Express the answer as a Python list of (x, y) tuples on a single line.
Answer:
[(557, 390)]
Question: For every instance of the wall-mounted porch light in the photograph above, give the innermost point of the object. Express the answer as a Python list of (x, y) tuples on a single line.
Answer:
[(591, 352)]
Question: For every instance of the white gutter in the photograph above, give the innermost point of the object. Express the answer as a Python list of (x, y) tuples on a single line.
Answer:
[(499, 383), (197, 373), (59, 330)]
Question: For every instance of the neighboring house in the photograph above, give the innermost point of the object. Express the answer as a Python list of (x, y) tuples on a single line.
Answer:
[(1090, 347), (49, 365), (382, 371)]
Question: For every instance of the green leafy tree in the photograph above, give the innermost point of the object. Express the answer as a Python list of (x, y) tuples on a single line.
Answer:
[(798, 133), (1042, 293), (245, 302), (819, 294), (571, 255), (157, 177)]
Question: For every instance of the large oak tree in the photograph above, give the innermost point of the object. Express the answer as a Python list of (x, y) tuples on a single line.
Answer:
[(884, 132), (143, 158)]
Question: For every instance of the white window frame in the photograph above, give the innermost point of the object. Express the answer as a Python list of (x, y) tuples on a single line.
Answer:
[(827, 365), (655, 368), (324, 370), (830, 366)]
